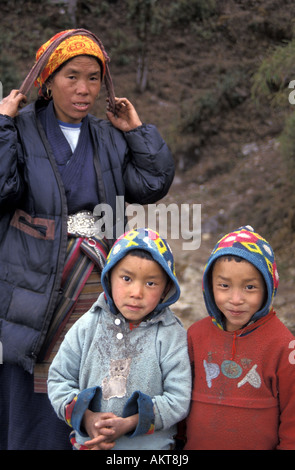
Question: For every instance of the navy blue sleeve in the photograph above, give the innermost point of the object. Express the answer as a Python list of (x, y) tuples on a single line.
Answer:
[(11, 184), (149, 168)]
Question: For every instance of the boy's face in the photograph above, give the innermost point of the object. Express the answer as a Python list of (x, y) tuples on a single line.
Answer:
[(238, 290), (137, 287)]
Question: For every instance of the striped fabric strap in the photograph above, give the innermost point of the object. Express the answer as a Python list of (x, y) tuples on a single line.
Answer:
[(81, 258)]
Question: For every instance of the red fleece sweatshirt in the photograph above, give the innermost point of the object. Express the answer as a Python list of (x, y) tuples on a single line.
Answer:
[(243, 387)]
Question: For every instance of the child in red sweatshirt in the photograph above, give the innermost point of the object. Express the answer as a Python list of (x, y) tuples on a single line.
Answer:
[(242, 355)]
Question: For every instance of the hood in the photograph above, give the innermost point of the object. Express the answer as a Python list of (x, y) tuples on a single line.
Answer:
[(249, 245), (150, 241)]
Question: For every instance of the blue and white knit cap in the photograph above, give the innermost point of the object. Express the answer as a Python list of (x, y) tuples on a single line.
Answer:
[(250, 246), (150, 241)]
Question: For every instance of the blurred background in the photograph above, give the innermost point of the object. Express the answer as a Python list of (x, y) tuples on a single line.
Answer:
[(216, 78)]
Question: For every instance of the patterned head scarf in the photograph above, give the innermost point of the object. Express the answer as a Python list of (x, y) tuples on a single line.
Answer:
[(249, 245), (64, 46), (150, 241), (71, 47)]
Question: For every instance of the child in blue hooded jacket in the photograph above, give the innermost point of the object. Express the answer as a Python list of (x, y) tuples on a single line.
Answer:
[(122, 376)]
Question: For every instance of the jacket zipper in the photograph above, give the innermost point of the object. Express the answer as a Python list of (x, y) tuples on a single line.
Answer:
[(42, 229)]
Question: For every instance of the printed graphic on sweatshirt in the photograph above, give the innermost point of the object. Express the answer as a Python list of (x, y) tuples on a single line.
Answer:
[(231, 370), (115, 385)]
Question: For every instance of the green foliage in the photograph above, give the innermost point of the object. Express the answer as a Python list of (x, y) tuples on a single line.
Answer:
[(161, 14), (123, 49), (143, 15), (270, 86), (9, 76), (187, 11), (288, 146), (271, 80), (201, 108), (227, 94)]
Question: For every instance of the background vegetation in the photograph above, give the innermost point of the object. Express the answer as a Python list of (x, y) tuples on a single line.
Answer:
[(212, 75)]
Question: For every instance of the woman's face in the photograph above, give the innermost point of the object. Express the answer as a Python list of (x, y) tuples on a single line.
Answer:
[(75, 88)]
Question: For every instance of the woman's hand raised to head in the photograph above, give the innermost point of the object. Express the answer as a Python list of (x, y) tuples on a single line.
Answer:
[(12, 103), (125, 117)]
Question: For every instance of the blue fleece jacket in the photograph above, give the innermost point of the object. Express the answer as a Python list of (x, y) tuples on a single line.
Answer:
[(105, 365)]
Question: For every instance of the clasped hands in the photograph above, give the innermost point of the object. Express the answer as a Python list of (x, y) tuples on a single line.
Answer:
[(105, 428)]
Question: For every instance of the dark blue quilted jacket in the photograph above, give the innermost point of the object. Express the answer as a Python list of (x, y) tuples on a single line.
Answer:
[(33, 216)]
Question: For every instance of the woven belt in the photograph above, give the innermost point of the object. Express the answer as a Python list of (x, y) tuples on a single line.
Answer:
[(82, 224)]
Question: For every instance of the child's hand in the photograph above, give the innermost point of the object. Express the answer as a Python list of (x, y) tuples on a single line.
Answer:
[(102, 436), (105, 428)]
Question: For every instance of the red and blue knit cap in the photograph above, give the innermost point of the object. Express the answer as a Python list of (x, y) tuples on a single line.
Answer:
[(250, 246), (151, 242)]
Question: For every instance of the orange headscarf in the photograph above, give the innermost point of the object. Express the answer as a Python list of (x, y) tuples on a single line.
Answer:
[(64, 46), (71, 47)]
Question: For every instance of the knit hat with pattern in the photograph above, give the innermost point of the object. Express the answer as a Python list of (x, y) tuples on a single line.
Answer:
[(150, 241), (250, 246)]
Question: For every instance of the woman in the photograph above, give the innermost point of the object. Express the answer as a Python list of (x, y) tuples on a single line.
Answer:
[(58, 163)]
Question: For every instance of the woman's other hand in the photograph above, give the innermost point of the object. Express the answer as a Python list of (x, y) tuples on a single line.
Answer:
[(125, 117), (12, 103)]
